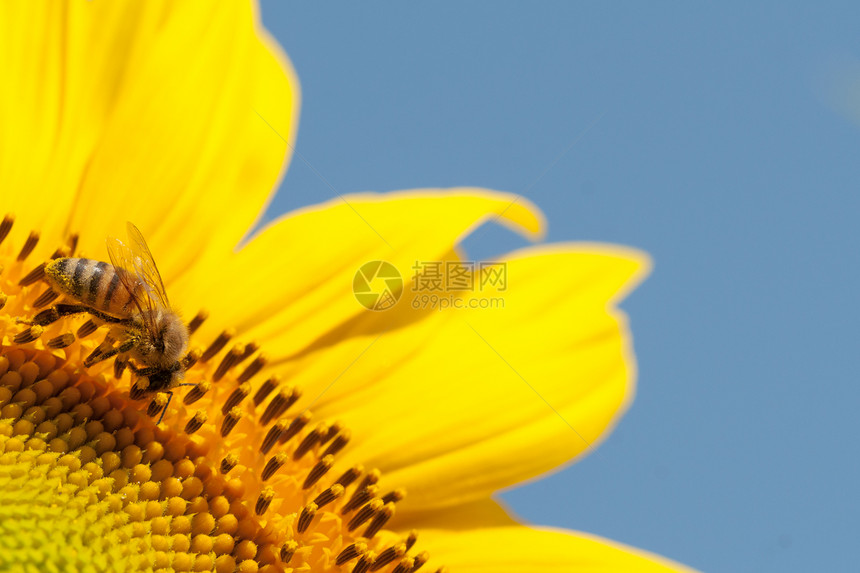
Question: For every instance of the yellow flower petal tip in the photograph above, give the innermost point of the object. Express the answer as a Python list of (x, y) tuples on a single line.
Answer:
[(631, 266), (381, 211), (518, 549)]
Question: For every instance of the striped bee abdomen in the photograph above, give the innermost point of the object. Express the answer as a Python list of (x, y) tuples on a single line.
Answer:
[(94, 283)]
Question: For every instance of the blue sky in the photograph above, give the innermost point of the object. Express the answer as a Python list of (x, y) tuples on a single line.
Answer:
[(705, 135)]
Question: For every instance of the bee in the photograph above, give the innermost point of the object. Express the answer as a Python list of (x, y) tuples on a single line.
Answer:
[(127, 295)]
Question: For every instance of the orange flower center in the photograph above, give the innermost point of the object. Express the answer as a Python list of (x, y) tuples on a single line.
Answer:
[(232, 479)]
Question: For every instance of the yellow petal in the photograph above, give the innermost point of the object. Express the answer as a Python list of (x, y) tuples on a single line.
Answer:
[(295, 277), (150, 112), (61, 64), (196, 159), (481, 536), (520, 549), (483, 513), (467, 402)]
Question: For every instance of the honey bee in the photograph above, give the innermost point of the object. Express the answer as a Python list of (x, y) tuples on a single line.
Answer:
[(127, 295)]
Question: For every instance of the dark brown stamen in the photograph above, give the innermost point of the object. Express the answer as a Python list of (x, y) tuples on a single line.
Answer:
[(61, 341), (420, 560), (366, 512), (264, 500), (156, 405), (273, 465), (265, 389), (196, 422), (230, 421), (309, 442), (33, 276), (3, 297), (371, 478), (288, 549), (60, 252), (197, 392), (272, 436), (365, 563), (87, 328), (93, 356), (328, 495), (190, 359), (45, 298), (249, 349), (235, 398), (359, 498), (405, 566), (389, 555), (350, 552), (411, 539), (279, 404), (230, 359), (295, 427), (350, 475), (29, 335), (318, 471), (253, 368), (119, 368), (394, 496), (307, 515), (195, 323), (6, 226), (217, 345), (379, 520), (46, 316), (228, 463), (139, 389), (29, 245), (339, 443), (333, 430)]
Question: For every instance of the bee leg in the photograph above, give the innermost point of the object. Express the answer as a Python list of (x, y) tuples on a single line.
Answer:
[(58, 311), (99, 354), (169, 398), (96, 313), (164, 410)]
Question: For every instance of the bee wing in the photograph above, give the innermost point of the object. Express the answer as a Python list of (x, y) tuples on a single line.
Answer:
[(145, 268), (123, 259)]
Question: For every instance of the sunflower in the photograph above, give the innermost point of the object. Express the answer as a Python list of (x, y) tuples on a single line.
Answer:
[(312, 434)]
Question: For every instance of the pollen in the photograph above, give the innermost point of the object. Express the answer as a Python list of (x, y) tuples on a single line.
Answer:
[(225, 473)]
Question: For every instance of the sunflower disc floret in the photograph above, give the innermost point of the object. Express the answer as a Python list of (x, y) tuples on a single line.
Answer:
[(233, 479)]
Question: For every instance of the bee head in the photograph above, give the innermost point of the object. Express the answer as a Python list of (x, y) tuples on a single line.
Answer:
[(168, 340)]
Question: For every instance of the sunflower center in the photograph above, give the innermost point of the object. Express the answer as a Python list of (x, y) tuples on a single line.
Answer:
[(235, 478)]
